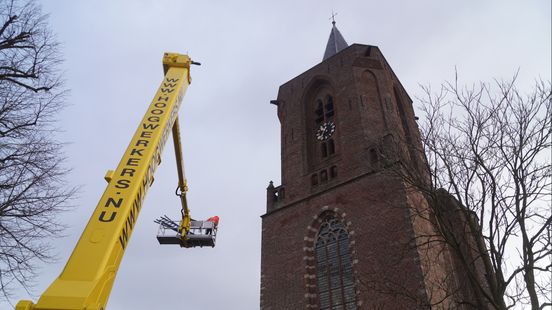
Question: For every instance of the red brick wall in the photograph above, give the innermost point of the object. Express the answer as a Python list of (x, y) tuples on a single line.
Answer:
[(381, 244), (373, 204)]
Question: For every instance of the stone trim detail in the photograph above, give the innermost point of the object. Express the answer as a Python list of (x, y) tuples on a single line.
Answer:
[(311, 294)]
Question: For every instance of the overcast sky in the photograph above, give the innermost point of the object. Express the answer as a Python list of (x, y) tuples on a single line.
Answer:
[(230, 132)]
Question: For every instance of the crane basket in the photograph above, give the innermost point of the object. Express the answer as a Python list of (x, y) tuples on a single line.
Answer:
[(201, 233)]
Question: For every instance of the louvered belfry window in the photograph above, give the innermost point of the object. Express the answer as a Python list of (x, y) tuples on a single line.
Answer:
[(325, 113), (334, 272)]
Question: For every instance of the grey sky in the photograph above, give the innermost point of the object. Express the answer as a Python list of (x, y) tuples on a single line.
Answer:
[(230, 132)]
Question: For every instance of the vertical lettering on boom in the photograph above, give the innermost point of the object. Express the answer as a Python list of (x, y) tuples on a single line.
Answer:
[(148, 132), (103, 218), (111, 201), (122, 183), (149, 126)]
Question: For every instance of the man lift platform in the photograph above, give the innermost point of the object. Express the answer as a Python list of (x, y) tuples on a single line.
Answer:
[(86, 281), (201, 233)]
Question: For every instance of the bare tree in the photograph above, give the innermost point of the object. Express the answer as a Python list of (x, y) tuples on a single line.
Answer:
[(32, 180), (488, 148)]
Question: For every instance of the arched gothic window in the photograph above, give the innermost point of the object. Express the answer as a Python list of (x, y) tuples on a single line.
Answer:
[(334, 270), (324, 112)]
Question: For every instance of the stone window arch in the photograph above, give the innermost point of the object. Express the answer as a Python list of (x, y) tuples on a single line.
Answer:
[(330, 265), (334, 267)]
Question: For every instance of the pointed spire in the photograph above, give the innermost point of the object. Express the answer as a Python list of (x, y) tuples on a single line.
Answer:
[(336, 42)]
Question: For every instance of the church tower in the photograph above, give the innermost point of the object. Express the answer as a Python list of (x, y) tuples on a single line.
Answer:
[(340, 232)]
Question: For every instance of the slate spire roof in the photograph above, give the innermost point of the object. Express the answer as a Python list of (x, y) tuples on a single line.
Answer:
[(336, 42)]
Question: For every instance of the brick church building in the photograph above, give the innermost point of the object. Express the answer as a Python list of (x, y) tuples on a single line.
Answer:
[(344, 230)]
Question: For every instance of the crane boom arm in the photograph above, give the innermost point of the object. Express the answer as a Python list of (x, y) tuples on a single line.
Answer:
[(88, 276)]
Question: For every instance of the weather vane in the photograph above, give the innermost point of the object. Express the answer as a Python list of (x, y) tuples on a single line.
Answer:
[(333, 17)]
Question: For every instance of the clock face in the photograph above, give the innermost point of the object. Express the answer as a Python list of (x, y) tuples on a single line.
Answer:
[(325, 131)]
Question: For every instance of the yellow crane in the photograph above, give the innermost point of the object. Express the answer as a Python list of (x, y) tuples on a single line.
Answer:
[(86, 281)]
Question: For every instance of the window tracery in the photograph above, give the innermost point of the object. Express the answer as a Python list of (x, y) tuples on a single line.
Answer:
[(334, 272)]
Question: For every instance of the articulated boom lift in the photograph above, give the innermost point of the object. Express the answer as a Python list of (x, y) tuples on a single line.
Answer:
[(86, 281)]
